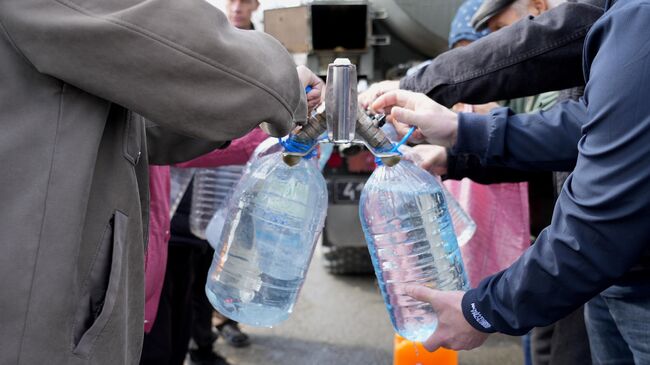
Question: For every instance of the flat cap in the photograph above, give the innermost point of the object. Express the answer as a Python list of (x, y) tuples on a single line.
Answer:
[(488, 9)]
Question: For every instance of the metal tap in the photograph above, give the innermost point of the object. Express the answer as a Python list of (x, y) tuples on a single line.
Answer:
[(342, 118)]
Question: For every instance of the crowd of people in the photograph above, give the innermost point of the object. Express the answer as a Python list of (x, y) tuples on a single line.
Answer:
[(99, 98)]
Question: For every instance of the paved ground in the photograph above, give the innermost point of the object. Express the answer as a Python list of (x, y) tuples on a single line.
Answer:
[(342, 321)]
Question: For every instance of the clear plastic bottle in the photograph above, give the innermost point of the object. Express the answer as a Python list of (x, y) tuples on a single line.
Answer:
[(411, 240), (261, 258), (212, 187), (179, 181), (464, 225)]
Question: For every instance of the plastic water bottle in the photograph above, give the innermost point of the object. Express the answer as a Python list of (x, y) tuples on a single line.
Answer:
[(215, 226), (180, 180), (411, 240), (464, 225), (274, 219), (211, 190)]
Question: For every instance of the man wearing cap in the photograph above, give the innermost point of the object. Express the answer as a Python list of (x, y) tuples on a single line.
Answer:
[(547, 49)]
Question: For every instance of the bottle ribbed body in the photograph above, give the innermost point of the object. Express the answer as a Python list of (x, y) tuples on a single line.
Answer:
[(411, 239)]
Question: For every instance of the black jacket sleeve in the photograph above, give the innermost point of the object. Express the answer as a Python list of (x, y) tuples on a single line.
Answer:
[(461, 166), (531, 56), (600, 229)]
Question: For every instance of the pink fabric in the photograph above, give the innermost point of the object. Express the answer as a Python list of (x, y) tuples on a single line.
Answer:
[(237, 153), (156, 255), (500, 212)]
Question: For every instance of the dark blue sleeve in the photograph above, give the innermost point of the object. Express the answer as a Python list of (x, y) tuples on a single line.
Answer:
[(546, 140), (600, 225)]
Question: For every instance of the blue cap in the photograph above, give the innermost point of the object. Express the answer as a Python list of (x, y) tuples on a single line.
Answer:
[(461, 27)]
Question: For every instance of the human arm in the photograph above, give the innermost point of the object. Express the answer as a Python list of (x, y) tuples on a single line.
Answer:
[(529, 57), (542, 141), (599, 230), (177, 63)]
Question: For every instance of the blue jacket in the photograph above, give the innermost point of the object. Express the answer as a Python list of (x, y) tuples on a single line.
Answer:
[(599, 239)]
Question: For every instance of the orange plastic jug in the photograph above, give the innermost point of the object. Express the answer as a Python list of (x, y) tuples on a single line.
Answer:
[(413, 353)]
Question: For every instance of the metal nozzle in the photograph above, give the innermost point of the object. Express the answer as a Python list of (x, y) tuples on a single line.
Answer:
[(341, 100), (308, 134)]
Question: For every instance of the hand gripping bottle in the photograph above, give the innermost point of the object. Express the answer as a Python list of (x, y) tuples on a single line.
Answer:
[(411, 240), (274, 219)]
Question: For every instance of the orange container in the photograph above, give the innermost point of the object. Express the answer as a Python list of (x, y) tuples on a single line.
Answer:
[(413, 353)]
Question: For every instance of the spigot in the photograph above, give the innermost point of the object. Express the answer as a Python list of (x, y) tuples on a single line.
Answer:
[(341, 100), (376, 139), (308, 135)]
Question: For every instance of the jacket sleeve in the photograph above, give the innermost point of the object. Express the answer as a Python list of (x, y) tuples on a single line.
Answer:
[(165, 147), (469, 166), (541, 141), (600, 225), (176, 62), (547, 50), (237, 153)]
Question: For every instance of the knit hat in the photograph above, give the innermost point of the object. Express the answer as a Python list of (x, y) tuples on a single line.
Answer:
[(461, 29)]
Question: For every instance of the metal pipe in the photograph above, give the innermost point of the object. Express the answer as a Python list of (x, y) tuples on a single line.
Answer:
[(371, 133)]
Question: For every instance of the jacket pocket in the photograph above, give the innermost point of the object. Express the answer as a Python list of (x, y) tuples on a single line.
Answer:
[(101, 287), (133, 134)]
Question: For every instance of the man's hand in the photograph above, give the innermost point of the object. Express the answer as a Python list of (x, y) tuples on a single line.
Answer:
[(375, 90), (436, 124), (453, 331), (308, 78), (429, 157)]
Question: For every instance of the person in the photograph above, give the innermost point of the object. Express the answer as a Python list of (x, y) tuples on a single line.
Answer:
[(75, 158), (595, 250), (240, 12), (547, 48), (564, 341)]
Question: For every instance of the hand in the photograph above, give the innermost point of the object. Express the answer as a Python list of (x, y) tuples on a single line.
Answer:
[(429, 157), (453, 331), (436, 124), (376, 90), (308, 78), (479, 109)]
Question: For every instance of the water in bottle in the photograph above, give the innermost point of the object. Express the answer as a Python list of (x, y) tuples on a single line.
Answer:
[(261, 258), (411, 239), (464, 225)]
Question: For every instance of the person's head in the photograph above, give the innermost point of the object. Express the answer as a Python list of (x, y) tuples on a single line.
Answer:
[(462, 33), (240, 12), (496, 14)]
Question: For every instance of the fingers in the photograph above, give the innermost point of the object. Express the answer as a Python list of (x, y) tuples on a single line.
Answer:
[(421, 293), (402, 129), (368, 97), (405, 116), (313, 99), (434, 342), (392, 98)]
